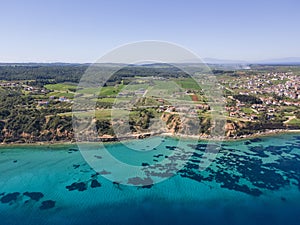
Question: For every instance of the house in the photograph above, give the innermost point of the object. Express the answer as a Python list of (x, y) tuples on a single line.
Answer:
[(43, 103), (232, 114), (203, 106), (170, 109), (63, 99)]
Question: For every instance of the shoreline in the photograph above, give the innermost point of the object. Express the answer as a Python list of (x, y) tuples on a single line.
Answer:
[(267, 133)]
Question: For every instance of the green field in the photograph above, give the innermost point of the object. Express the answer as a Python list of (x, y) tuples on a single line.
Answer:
[(61, 87), (68, 90), (188, 83), (294, 122), (61, 94), (101, 114), (247, 110)]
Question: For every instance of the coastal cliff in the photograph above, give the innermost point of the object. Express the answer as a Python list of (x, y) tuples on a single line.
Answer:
[(56, 128)]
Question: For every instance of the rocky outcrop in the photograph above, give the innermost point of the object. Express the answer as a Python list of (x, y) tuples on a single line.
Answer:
[(173, 123)]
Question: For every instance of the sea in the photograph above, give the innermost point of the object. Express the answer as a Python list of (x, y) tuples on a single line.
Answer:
[(158, 180)]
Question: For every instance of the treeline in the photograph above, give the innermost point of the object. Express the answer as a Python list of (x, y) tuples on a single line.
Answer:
[(127, 73), (52, 73), (43, 73)]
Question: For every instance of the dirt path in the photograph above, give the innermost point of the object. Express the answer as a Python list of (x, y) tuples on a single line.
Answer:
[(289, 119)]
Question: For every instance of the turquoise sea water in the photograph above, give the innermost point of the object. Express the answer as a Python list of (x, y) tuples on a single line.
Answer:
[(253, 181)]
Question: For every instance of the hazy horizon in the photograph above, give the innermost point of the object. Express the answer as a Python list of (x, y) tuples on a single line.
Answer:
[(205, 60), (81, 32)]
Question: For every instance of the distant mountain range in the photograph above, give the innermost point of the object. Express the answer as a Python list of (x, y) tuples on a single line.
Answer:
[(288, 60), (281, 61)]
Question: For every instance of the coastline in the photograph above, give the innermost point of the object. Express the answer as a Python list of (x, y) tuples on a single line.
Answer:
[(38, 143), (268, 133)]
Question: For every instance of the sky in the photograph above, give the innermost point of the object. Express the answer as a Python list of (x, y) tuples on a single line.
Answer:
[(82, 31)]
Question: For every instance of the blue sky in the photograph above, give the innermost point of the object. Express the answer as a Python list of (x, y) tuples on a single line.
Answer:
[(82, 31)]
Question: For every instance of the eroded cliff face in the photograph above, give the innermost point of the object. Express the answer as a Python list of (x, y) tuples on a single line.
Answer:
[(60, 129), (233, 129), (204, 127), (180, 124), (172, 122)]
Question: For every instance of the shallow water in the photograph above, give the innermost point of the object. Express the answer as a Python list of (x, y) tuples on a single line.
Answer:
[(249, 182)]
